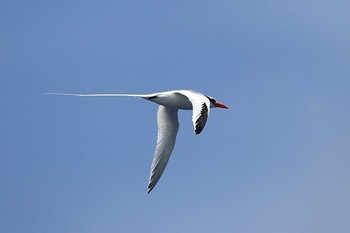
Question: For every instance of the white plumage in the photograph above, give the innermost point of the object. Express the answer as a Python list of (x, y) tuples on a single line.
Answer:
[(170, 102)]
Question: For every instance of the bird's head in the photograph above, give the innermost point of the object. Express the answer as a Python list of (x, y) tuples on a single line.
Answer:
[(216, 104)]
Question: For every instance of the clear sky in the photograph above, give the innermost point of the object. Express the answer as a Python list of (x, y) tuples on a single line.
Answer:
[(276, 161)]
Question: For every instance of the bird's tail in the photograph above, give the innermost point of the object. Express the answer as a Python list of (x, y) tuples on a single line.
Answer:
[(103, 95)]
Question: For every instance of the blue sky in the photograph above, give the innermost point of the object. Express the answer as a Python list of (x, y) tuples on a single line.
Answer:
[(276, 161)]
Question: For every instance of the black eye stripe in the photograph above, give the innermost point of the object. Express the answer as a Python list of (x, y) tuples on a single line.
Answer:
[(212, 100)]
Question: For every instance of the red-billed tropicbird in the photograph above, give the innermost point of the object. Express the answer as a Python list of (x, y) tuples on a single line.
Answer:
[(169, 104)]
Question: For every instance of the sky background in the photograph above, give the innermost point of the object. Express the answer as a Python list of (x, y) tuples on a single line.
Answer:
[(276, 161)]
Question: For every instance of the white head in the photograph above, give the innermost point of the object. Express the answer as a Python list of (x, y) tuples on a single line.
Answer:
[(215, 104)]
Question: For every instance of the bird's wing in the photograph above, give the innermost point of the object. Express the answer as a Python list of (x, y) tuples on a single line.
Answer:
[(168, 126), (201, 109)]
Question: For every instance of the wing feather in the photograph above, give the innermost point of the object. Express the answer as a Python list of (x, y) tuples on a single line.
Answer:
[(200, 109), (168, 126), (201, 120)]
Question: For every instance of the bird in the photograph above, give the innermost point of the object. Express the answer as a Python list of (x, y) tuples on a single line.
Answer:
[(167, 121)]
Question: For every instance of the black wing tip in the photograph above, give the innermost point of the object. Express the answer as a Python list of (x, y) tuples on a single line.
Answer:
[(150, 189), (198, 131), (202, 119)]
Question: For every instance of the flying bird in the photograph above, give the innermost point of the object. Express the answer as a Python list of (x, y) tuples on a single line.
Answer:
[(169, 104)]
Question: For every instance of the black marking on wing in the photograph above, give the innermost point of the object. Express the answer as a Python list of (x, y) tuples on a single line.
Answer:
[(202, 119)]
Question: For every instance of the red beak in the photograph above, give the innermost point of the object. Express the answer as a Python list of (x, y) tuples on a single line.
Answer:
[(220, 105)]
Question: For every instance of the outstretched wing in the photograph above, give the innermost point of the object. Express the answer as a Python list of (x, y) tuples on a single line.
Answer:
[(168, 126), (201, 109)]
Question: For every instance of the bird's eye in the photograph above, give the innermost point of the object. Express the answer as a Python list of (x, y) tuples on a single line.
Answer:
[(212, 100)]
